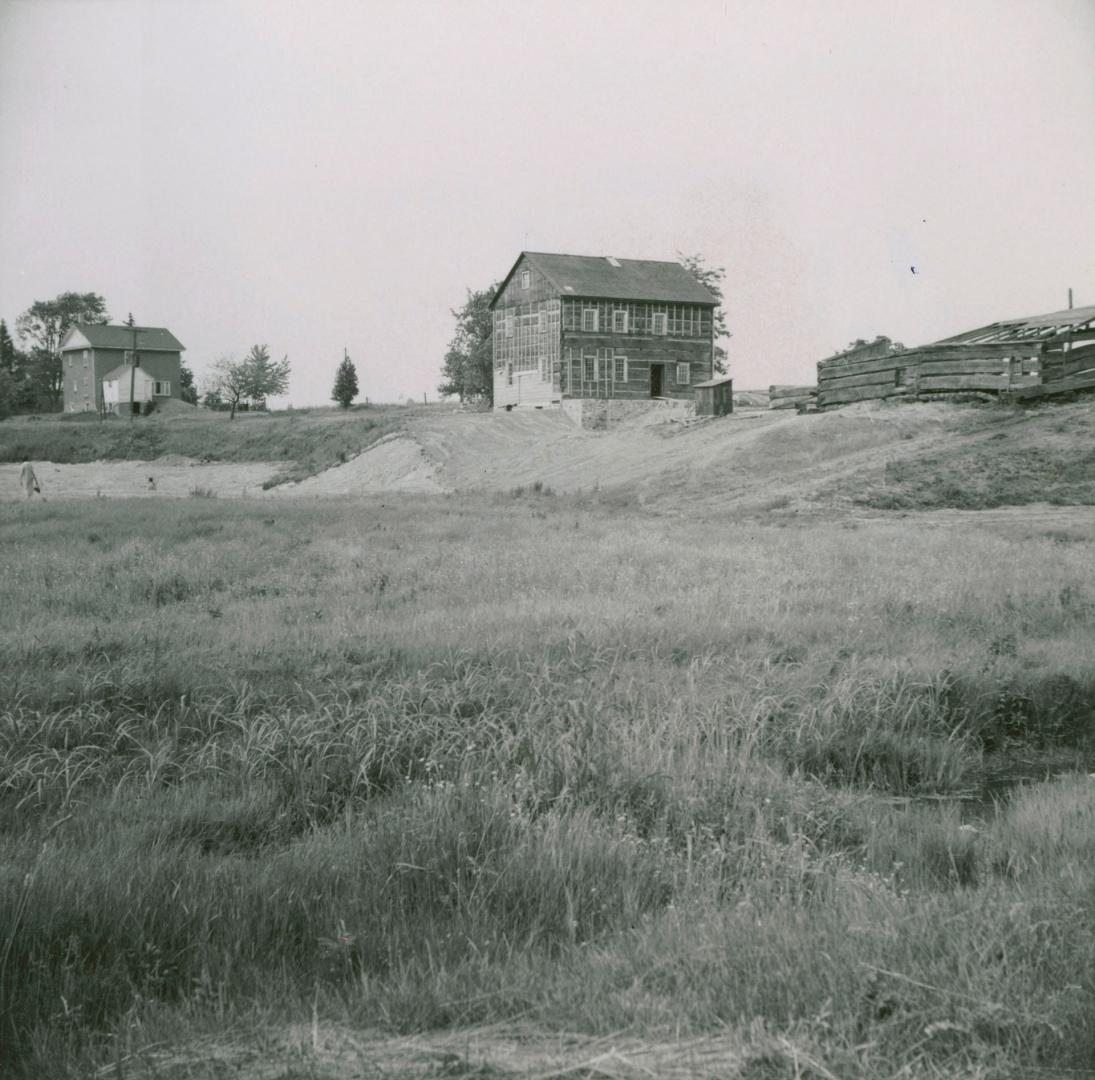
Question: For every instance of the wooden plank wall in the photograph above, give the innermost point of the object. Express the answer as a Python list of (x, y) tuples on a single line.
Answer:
[(930, 369)]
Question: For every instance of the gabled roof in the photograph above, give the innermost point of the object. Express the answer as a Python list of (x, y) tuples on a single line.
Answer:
[(122, 371), (149, 338), (597, 276), (1032, 328)]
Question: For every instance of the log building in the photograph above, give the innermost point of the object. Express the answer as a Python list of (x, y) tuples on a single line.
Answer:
[(585, 327), (1037, 356)]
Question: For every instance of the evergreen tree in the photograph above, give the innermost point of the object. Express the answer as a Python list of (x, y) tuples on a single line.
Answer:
[(345, 389)]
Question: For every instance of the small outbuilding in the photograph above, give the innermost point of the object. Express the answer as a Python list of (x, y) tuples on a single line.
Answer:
[(714, 397)]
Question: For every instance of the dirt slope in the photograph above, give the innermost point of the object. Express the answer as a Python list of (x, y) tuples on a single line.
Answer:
[(867, 457)]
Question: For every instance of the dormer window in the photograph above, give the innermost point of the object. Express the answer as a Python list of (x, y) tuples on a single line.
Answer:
[(658, 322), (526, 278), (590, 319), (619, 321)]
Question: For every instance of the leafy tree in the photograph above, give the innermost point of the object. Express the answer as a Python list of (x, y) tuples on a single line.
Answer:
[(345, 389), (44, 324), (251, 379), (7, 349), (468, 370), (267, 377), (187, 390), (711, 278), (232, 383)]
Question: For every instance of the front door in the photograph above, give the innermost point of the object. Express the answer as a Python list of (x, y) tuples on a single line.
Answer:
[(657, 373)]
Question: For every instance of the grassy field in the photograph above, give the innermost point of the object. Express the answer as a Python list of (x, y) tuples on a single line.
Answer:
[(813, 795)]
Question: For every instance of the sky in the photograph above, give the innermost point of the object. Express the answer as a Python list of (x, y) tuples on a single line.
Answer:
[(327, 176)]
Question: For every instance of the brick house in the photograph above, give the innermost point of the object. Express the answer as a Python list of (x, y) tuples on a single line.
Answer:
[(574, 327), (91, 356)]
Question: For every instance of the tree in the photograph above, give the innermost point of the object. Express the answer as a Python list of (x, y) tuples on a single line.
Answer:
[(252, 379), (711, 278), (187, 390), (267, 378), (16, 391), (44, 324), (468, 370), (345, 389), (232, 382)]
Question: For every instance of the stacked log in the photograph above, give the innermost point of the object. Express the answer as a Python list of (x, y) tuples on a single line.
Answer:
[(791, 397), (875, 370), (931, 369)]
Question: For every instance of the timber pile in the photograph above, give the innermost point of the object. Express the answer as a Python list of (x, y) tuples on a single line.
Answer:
[(931, 369), (791, 397)]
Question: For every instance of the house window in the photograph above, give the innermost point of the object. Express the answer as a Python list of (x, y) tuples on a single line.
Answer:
[(683, 372), (589, 367), (543, 322), (509, 326), (161, 389), (70, 359), (526, 278), (899, 376), (657, 322), (619, 321), (619, 368), (590, 319)]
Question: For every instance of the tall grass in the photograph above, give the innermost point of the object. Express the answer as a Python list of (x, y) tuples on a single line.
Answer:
[(446, 762)]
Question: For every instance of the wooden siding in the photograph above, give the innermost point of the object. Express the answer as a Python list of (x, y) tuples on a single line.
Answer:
[(580, 379), (525, 342), (681, 320), (83, 379)]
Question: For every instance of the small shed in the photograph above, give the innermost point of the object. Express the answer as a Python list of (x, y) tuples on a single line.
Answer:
[(715, 397), (116, 389)]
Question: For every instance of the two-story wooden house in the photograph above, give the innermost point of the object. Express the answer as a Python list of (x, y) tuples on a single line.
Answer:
[(94, 355), (587, 327)]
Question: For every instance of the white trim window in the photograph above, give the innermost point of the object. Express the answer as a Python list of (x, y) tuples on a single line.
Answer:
[(619, 368), (589, 367), (509, 325), (684, 373), (526, 278), (619, 320), (543, 322), (658, 323), (161, 388), (591, 320)]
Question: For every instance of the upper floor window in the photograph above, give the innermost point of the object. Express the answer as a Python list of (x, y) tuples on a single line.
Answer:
[(590, 319), (526, 278), (619, 321), (657, 322)]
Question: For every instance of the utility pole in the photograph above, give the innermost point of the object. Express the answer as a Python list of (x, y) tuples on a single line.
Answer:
[(1070, 299), (132, 367)]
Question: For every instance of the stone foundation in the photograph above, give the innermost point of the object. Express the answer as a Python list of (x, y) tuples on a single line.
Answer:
[(598, 414)]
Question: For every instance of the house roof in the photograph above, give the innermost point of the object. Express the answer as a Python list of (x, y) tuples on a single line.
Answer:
[(718, 381), (1031, 328), (149, 338), (615, 279), (122, 372)]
